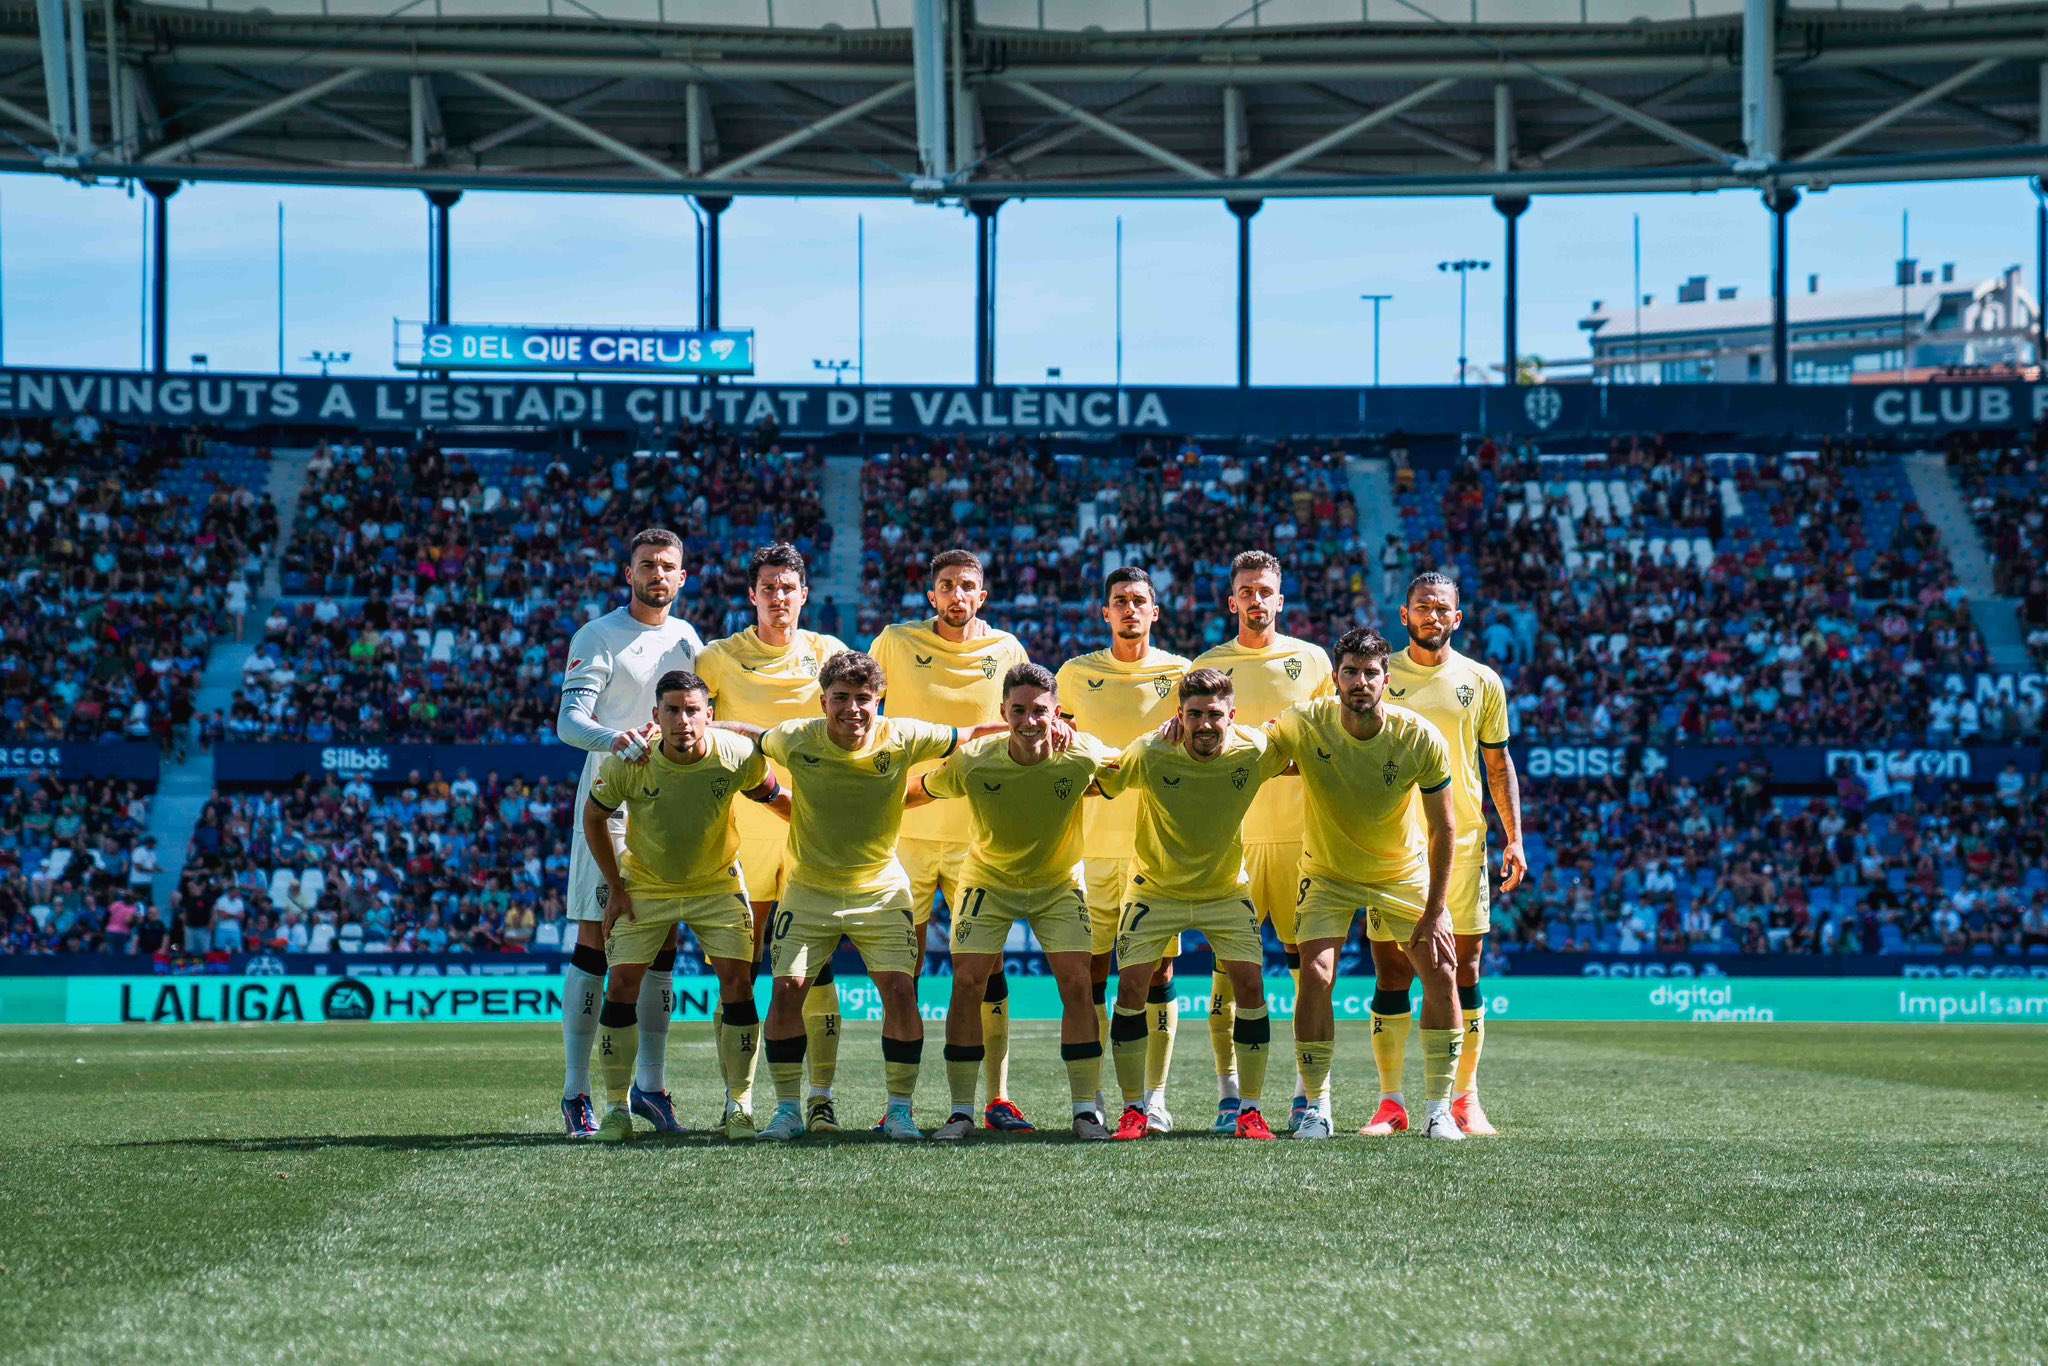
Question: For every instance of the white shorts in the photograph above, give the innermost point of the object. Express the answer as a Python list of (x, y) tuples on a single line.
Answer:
[(587, 890)]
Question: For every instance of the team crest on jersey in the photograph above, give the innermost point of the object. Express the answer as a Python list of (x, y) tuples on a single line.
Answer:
[(1162, 686), (988, 668), (923, 661), (1390, 771), (1239, 777), (720, 785), (809, 665), (882, 764), (604, 895), (1062, 788), (1465, 694), (1293, 667)]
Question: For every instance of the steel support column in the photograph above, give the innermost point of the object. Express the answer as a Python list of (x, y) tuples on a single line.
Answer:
[(1510, 207), (984, 211), (439, 202), (1780, 202), (2040, 187), (714, 206), (1242, 210), (160, 272)]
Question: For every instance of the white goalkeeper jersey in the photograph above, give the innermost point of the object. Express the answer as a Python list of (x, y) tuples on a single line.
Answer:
[(608, 687)]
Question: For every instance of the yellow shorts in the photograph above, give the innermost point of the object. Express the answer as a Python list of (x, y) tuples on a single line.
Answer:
[(1275, 872), (1105, 881), (765, 862), (1467, 896), (1056, 915), (934, 867), (1149, 927), (722, 922), (810, 921), (1328, 907)]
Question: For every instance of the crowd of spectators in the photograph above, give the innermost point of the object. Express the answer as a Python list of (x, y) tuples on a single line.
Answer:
[(2006, 483), (1049, 526), (77, 867), (1794, 599), (1719, 865), (436, 865), (127, 555), (430, 592)]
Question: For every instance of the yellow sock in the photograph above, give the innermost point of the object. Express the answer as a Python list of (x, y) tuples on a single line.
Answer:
[(1128, 1047), (1102, 1023), (1439, 1061), (1253, 1034), (1468, 1055), (900, 1058), (963, 1073), (1390, 1049), (1314, 1056), (786, 1068), (995, 1038), (1084, 1071), (1222, 1014), (1164, 1024), (739, 1038), (821, 1034), (618, 1046)]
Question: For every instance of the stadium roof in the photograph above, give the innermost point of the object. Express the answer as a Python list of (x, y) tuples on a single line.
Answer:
[(951, 99)]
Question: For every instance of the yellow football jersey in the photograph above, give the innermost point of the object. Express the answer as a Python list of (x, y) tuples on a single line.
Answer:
[(765, 685), (1190, 845), (1026, 818), (954, 683), (1116, 703), (1269, 681), (680, 836), (846, 806), (1465, 701), (1361, 826)]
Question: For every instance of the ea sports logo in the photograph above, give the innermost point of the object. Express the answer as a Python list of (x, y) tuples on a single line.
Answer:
[(1544, 405), (348, 999)]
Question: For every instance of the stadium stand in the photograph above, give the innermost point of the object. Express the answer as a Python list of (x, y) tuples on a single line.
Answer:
[(1049, 526), (437, 865), (1726, 598), (426, 588), (2003, 482), (128, 554), (1722, 866), (75, 867)]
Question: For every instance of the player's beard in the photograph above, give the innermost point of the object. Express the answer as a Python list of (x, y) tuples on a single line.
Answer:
[(959, 618), (1430, 643), (645, 595)]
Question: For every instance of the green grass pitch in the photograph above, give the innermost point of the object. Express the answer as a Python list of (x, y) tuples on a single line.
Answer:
[(386, 1192)]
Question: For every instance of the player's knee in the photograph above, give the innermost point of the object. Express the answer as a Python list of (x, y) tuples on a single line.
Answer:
[(735, 979), (1099, 989), (824, 977), (898, 990)]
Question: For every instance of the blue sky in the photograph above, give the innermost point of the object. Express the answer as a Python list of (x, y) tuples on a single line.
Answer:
[(355, 259)]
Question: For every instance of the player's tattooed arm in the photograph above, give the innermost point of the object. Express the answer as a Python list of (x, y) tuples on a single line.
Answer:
[(1501, 781)]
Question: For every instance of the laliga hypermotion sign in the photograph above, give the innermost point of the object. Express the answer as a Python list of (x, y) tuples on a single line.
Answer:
[(605, 350)]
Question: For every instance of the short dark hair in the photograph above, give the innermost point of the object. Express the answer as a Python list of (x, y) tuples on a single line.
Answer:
[(1363, 642), (1129, 573), (1430, 578), (780, 555), (855, 667), (1030, 676), (955, 558), (1206, 683), (1252, 562), (683, 679), (654, 535)]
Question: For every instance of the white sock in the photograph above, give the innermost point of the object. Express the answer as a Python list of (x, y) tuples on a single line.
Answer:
[(961, 1111), (1156, 1096), (821, 1093), (1396, 1097), (1088, 1107), (581, 993), (1226, 1087), (657, 1003)]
